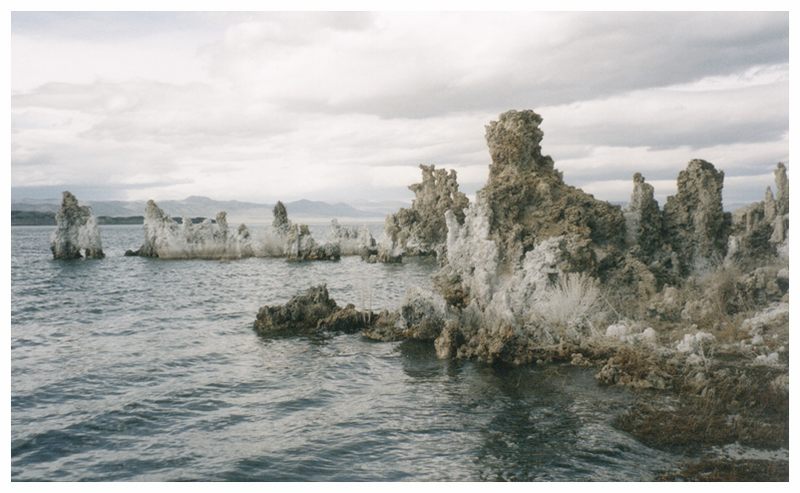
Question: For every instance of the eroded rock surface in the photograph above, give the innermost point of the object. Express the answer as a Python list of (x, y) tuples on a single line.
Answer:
[(352, 240), (314, 312), (165, 238), (76, 233), (695, 223), (420, 229), (301, 246), (300, 315), (643, 221), (510, 258), (760, 230)]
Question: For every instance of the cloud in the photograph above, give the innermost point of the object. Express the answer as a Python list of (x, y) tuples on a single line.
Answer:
[(344, 106), (419, 65)]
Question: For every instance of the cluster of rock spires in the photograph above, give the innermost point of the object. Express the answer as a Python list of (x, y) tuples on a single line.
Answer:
[(168, 239), (76, 231), (521, 267), (537, 270)]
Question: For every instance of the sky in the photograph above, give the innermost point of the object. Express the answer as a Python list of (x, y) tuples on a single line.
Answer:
[(344, 106)]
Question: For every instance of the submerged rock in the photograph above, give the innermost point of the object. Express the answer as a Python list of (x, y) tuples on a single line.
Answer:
[(421, 317), (315, 312), (76, 231), (299, 316), (420, 229)]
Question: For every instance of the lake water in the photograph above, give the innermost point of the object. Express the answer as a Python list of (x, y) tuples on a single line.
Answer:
[(143, 369)]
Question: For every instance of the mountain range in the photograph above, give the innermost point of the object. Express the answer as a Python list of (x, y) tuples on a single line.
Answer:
[(248, 212)]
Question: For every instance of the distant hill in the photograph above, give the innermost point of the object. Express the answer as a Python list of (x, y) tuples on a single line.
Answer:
[(32, 218), (196, 206)]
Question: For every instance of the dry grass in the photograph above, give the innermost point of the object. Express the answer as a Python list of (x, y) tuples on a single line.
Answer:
[(734, 404), (730, 470)]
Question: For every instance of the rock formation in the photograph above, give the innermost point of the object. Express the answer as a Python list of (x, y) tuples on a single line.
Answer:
[(76, 231), (420, 229), (536, 271), (526, 231), (300, 315), (301, 246), (314, 312), (294, 241), (535, 266), (528, 200), (280, 219), (165, 238), (695, 223), (643, 222), (760, 230), (782, 190), (352, 240)]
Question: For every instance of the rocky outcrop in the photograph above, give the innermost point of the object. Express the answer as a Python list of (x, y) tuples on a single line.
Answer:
[(76, 231), (644, 234), (421, 317), (352, 240), (695, 224), (760, 230), (509, 260), (314, 312), (528, 201), (420, 229), (167, 239), (300, 315), (301, 246), (782, 190), (280, 219), (294, 241)]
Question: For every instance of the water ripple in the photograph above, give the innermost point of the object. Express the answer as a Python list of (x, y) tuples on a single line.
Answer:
[(140, 369)]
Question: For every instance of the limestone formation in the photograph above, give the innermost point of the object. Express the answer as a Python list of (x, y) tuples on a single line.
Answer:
[(759, 230), (76, 231), (643, 223), (300, 315), (780, 228), (528, 200), (695, 223), (294, 241), (314, 312), (165, 238), (301, 246), (509, 259), (352, 240), (280, 219), (782, 189), (421, 317), (420, 229)]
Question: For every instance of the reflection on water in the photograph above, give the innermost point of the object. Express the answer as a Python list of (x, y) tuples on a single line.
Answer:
[(139, 369)]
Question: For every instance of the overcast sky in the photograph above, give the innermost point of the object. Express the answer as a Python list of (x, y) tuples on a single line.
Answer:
[(344, 106)]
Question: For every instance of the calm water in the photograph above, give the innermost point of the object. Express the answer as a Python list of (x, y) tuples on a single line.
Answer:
[(143, 369)]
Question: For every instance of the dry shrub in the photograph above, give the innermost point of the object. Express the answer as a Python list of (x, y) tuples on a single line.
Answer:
[(569, 305)]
